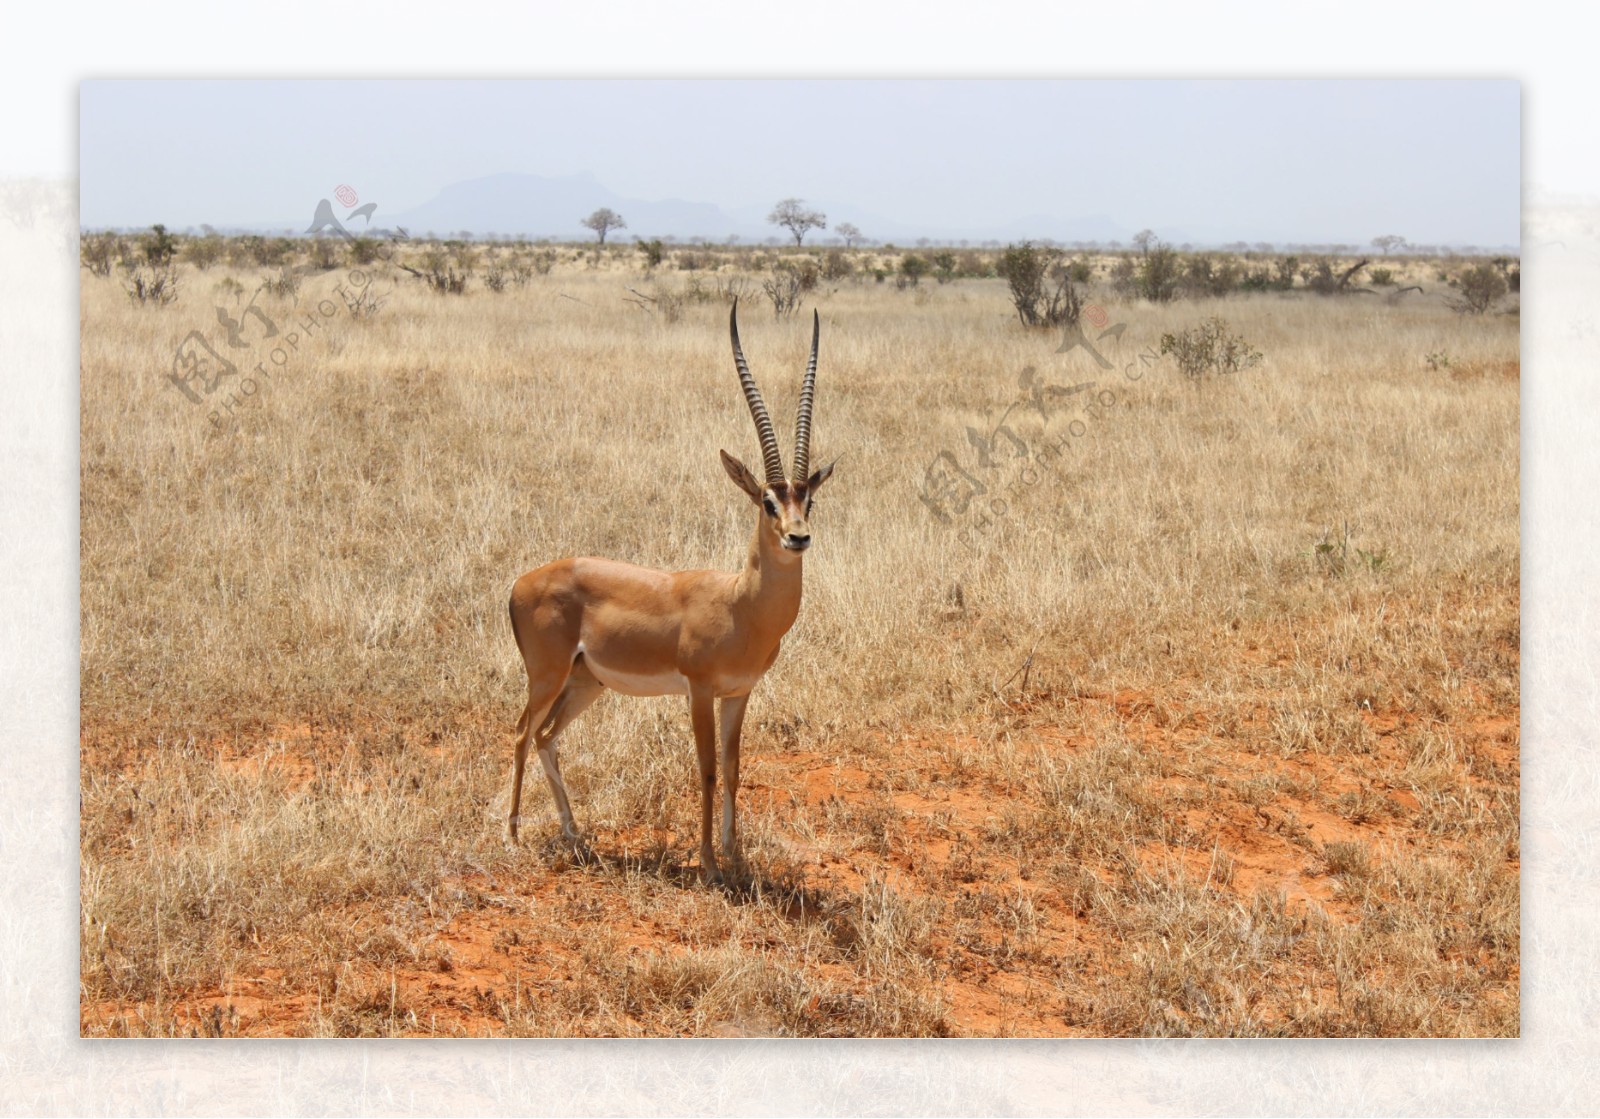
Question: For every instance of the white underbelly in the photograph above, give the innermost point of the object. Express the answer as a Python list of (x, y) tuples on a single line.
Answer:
[(670, 682)]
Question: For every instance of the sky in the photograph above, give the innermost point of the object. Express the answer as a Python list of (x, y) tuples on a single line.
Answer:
[(1436, 161)]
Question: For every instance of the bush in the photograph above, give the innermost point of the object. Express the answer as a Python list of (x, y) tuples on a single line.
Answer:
[(837, 266), (1321, 279), (944, 266), (101, 252), (1158, 274), (1206, 275), (652, 253), (438, 271), (1287, 269), (1480, 288), (1209, 348), (286, 285), (912, 269), (203, 252), (1382, 277), (1256, 279), (323, 253), (156, 286), (159, 246), (783, 286), (1042, 288), (363, 250)]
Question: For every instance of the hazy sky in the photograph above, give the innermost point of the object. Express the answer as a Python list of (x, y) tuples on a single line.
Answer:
[(1433, 160)]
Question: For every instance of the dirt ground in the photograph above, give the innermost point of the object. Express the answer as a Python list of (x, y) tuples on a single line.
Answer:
[(623, 939)]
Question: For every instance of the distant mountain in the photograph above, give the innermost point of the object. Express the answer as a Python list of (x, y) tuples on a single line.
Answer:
[(535, 206), (538, 206)]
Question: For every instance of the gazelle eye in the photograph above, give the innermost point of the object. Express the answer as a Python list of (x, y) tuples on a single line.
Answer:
[(772, 510)]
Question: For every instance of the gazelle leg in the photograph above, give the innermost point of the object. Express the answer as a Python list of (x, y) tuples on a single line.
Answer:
[(543, 692), (581, 691), (730, 722), (702, 714)]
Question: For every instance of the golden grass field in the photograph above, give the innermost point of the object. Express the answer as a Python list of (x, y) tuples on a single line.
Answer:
[(1258, 776)]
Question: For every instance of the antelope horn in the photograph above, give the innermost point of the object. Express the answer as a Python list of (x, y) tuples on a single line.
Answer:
[(802, 419), (758, 408)]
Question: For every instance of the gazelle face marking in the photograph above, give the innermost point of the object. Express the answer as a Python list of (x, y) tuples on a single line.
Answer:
[(785, 506)]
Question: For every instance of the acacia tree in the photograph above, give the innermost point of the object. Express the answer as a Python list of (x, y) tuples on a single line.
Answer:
[(1388, 243), (852, 236), (792, 214), (603, 221)]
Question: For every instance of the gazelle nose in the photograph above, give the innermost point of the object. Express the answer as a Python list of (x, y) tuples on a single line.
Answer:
[(796, 542)]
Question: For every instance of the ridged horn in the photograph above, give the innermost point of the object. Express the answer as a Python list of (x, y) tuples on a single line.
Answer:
[(802, 419), (758, 408)]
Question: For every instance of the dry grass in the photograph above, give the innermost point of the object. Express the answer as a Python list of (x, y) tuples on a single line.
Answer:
[(1259, 777)]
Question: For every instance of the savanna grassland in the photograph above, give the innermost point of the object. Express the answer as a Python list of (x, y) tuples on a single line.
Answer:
[(1201, 718)]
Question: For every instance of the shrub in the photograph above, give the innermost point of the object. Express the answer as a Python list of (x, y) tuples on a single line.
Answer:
[(203, 252), (913, 268), (1124, 278), (1209, 348), (156, 286), (944, 266), (286, 285), (1287, 269), (1042, 288), (1206, 275), (783, 287), (438, 271), (101, 252), (1256, 279), (1321, 279), (1480, 288), (1158, 274), (363, 250), (159, 246), (652, 253), (323, 253), (1382, 277), (837, 266)]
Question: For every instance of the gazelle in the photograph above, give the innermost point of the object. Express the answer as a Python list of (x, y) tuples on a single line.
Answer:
[(584, 625)]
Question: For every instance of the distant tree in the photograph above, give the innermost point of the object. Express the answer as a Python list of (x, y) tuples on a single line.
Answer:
[(1388, 243), (603, 221), (852, 236), (1143, 239), (792, 214)]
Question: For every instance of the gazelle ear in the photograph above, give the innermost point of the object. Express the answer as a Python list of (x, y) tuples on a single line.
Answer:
[(740, 473), (814, 483)]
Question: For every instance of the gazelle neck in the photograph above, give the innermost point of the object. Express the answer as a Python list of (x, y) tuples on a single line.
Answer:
[(771, 580)]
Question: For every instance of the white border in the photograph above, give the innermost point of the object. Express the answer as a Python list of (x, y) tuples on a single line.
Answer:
[(46, 1069)]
